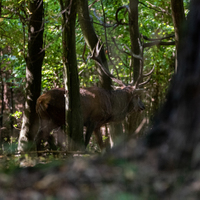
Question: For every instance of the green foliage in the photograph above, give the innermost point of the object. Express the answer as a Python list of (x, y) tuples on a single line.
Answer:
[(17, 114), (155, 21)]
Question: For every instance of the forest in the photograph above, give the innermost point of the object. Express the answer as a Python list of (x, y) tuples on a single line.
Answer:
[(154, 26), (99, 99)]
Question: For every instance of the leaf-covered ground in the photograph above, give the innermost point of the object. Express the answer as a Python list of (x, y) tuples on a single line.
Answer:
[(129, 172)]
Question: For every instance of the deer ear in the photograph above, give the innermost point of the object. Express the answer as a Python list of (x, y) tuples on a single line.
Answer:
[(141, 105)]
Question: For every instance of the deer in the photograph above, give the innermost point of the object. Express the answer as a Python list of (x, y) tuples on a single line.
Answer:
[(99, 107)]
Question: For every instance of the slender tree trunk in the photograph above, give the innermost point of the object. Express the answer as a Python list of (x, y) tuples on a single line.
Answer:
[(91, 39), (135, 37), (133, 121), (11, 108), (73, 104), (33, 74), (86, 23), (0, 7), (2, 100), (178, 17)]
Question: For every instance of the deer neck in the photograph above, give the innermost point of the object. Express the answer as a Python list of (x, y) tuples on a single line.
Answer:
[(120, 104)]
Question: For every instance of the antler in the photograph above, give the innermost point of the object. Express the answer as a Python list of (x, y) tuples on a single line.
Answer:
[(149, 73), (140, 57), (145, 75), (95, 56)]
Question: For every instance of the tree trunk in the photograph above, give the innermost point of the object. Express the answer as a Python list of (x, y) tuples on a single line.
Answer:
[(2, 99), (11, 107), (135, 37), (91, 39), (178, 17), (86, 23), (33, 74), (133, 121), (73, 104), (176, 132)]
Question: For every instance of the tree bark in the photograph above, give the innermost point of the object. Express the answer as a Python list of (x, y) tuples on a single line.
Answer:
[(2, 98), (33, 74), (133, 121), (91, 39), (73, 105), (135, 37), (178, 17), (176, 130)]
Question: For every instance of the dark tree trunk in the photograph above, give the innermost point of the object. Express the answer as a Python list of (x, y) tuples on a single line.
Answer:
[(135, 37), (176, 132), (178, 17), (133, 121), (86, 23), (33, 73), (91, 39), (73, 111), (2, 100), (11, 108)]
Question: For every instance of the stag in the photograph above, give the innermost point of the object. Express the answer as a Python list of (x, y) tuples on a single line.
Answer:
[(99, 106)]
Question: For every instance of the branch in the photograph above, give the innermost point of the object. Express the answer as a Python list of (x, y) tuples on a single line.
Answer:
[(158, 41), (116, 15), (84, 48), (92, 4), (140, 57), (155, 39), (150, 44), (101, 22), (119, 48), (153, 7)]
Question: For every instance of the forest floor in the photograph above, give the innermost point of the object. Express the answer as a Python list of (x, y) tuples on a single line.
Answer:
[(126, 172)]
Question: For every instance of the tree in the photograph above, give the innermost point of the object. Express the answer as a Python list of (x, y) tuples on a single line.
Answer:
[(73, 104), (34, 62), (178, 16), (165, 165), (91, 39), (136, 64), (176, 129), (154, 22)]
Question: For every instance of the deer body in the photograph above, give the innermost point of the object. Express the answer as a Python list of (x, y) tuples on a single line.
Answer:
[(98, 105)]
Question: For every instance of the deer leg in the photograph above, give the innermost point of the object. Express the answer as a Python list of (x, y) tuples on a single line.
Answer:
[(60, 138), (52, 145), (57, 140), (90, 129), (38, 140), (43, 134), (99, 139)]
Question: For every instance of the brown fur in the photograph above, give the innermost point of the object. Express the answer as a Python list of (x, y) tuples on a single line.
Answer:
[(99, 107)]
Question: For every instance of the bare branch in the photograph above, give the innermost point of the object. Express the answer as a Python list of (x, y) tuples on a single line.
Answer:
[(105, 25), (158, 39), (134, 55), (153, 7), (150, 44), (126, 7), (84, 48), (92, 4)]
